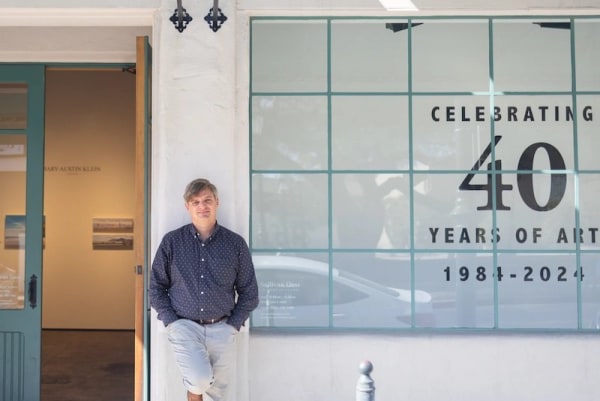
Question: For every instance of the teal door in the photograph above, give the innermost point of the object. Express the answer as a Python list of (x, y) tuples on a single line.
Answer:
[(21, 229)]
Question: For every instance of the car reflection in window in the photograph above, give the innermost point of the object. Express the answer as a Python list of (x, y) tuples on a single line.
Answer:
[(295, 292)]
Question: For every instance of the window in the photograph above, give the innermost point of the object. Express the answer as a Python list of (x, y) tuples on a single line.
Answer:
[(426, 173)]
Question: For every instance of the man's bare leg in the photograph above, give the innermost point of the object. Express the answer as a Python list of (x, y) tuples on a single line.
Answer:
[(194, 397)]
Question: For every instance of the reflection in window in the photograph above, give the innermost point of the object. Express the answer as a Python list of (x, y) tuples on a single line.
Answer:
[(289, 133), (587, 54), (368, 56), (360, 144), (450, 56), (290, 211), (289, 56), (13, 106), (294, 291), (448, 165), (12, 199), (532, 55)]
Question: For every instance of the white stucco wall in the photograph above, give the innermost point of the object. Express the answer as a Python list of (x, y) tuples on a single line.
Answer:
[(422, 367), (321, 366), (195, 134), (324, 366), (200, 128)]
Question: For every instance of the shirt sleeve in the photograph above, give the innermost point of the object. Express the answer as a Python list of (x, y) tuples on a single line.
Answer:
[(160, 282), (246, 288)]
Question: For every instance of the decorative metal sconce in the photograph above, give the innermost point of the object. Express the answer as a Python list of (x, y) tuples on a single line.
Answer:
[(215, 17), (180, 18)]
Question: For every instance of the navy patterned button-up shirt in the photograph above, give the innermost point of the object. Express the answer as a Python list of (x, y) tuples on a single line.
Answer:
[(199, 280)]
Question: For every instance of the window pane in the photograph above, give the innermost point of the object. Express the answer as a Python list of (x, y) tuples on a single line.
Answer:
[(370, 292), (450, 56), (449, 132), (589, 213), (289, 56), (446, 217), (461, 287), (525, 122), (369, 132), (587, 54), (293, 290), (12, 250), (588, 128), (289, 132), (369, 56), (590, 290), (532, 55), (537, 291), (541, 214), (371, 211), (13, 106), (289, 211)]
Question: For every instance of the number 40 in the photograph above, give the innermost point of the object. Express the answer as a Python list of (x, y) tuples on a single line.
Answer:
[(558, 182)]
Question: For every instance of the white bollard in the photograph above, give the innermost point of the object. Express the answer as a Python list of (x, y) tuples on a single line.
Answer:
[(365, 386)]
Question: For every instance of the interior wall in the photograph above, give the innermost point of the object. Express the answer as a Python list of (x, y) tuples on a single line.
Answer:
[(89, 173)]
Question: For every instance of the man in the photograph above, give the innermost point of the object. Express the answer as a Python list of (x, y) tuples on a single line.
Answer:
[(203, 286)]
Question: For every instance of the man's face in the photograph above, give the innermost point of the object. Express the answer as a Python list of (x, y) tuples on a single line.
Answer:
[(202, 208)]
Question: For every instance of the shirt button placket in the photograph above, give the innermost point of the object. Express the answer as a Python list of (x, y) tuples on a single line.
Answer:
[(203, 268)]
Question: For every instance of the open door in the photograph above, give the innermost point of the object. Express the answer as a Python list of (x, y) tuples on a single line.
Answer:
[(22, 223), (142, 187)]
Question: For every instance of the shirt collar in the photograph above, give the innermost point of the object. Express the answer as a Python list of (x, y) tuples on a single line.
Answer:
[(194, 233)]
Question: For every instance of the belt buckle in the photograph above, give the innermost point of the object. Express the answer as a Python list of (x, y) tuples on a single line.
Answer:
[(211, 321)]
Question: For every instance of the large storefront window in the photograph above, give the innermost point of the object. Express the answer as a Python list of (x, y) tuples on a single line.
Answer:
[(433, 173)]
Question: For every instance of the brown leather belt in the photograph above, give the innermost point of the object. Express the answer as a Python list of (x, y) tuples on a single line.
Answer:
[(209, 321)]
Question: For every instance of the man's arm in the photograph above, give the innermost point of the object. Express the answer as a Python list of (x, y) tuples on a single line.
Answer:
[(160, 282), (246, 288)]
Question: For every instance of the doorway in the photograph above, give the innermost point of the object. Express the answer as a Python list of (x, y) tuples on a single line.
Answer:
[(88, 292)]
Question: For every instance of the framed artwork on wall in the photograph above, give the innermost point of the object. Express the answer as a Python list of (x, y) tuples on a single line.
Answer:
[(112, 242), (14, 231), (112, 225), (112, 233)]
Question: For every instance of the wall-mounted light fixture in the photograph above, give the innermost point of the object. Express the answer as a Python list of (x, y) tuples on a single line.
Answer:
[(180, 18), (554, 25), (400, 26), (215, 17)]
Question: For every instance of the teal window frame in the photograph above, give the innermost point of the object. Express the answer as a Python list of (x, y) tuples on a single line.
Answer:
[(329, 252)]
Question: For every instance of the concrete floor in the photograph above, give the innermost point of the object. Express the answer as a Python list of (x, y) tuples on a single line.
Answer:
[(82, 365)]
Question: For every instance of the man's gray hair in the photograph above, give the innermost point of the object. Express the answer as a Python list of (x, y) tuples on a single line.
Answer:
[(197, 186)]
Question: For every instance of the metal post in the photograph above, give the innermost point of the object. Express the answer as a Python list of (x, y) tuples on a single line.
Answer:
[(365, 386)]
